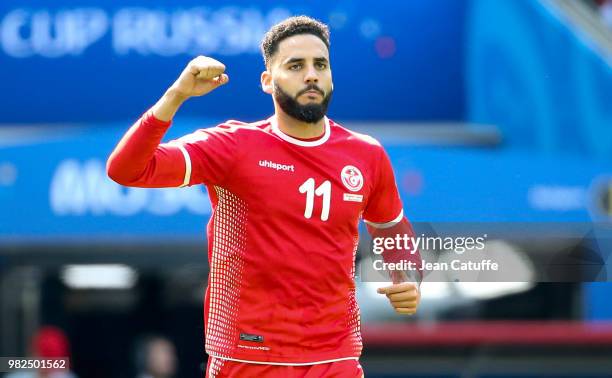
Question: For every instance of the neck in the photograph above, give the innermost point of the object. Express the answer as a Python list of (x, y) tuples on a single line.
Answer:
[(299, 129)]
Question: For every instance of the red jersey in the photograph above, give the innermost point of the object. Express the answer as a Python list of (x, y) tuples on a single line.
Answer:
[(283, 234)]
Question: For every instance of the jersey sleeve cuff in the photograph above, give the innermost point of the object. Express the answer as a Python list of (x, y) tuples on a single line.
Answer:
[(150, 120), (386, 224)]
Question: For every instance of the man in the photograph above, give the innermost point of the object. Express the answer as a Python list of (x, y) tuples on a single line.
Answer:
[(155, 357), (287, 194)]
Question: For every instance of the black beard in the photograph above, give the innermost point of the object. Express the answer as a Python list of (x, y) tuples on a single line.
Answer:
[(309, 113)]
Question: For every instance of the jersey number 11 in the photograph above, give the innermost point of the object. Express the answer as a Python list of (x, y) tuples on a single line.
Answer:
[(324, 190)]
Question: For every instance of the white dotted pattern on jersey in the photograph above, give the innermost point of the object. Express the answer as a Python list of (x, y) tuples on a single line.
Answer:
[(215, 367), (354, 320), (226, 267)]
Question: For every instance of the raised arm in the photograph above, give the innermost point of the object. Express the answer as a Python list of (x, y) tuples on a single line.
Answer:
[(139, 159)]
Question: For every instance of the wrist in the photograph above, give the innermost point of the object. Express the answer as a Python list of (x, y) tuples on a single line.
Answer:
[(175, 97), (168, 105)]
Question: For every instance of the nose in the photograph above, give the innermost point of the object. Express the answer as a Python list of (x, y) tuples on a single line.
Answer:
[(311, 76)]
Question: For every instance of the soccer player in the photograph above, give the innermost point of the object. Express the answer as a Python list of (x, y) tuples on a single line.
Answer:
[(287, 194)]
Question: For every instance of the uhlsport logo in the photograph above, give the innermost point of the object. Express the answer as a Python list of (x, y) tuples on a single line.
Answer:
[(352, 178), (277, 166)]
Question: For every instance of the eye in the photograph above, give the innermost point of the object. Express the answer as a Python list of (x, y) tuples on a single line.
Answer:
[(295, 67), (321, 66)]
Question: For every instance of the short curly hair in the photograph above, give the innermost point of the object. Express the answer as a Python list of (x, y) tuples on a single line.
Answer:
[(288, 28)]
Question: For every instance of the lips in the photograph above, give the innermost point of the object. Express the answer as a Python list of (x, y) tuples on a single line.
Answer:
[(313, 92)]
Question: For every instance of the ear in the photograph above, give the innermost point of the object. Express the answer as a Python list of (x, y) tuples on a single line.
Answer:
[(266, 82)]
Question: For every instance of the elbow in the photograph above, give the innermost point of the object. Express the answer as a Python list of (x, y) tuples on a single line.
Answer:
[(123, 173), (114, 172)]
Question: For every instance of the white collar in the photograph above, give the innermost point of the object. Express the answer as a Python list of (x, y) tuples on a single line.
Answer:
[(303, 143)]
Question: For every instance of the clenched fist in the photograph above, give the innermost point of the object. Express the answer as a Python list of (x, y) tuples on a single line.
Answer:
[(202, 75), (404, 297)]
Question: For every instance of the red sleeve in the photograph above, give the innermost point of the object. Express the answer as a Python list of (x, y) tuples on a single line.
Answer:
[(140, 160), (384, 203)]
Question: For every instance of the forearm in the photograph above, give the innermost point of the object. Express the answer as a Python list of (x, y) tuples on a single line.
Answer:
[(409, 255), (167, 106)]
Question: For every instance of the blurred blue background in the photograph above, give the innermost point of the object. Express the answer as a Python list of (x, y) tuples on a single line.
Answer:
[(494, 114)]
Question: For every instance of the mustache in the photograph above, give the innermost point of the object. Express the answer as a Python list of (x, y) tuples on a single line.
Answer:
[(311, 87)]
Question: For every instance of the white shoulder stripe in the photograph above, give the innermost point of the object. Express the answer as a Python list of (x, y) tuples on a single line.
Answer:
[(387, 224), (187, 165)]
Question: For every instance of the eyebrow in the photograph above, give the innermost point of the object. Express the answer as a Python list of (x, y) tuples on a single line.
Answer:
[(297, 59)]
